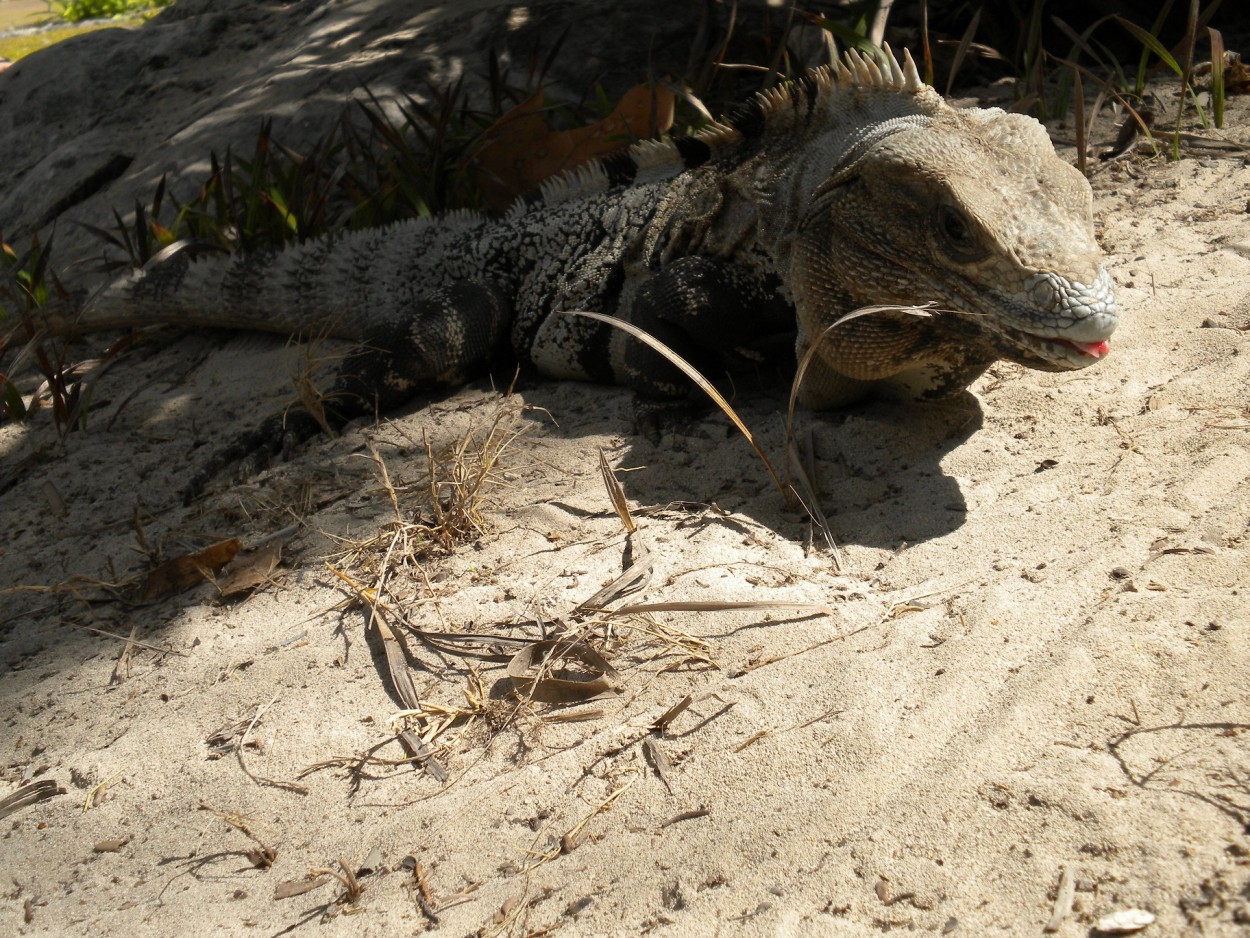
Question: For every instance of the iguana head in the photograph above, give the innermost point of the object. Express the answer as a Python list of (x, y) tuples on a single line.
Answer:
[(970, 210)]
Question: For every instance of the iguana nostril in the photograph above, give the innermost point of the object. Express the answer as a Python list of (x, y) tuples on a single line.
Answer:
[(1043, 293), (1056, 307)]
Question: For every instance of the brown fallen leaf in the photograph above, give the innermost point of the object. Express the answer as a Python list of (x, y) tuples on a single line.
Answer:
[(520, 150), (531, 676), (250, 569), (298, 887), (180, 573)]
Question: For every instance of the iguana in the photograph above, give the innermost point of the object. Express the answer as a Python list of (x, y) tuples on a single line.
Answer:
[(854, 185)]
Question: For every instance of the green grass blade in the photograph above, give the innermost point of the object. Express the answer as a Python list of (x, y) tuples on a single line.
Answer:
[(1151, 42), (1139, 84), (1217, 75)]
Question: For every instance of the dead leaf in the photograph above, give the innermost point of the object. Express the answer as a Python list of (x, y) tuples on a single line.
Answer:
[(548, 689), (250, 569), (520, 150), (180, 573), (292, 888)]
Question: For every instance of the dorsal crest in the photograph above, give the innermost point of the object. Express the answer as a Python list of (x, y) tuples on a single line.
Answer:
[(853, 70), (782, 111)]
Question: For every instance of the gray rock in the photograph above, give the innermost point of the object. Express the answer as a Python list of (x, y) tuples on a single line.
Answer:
[(91, 124)]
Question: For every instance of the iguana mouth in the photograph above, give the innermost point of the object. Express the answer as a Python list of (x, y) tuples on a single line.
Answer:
[(1092, 349), (1060, 352), (1079, 319)]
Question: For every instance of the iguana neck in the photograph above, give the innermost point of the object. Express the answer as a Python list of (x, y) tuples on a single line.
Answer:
[(792, 184)]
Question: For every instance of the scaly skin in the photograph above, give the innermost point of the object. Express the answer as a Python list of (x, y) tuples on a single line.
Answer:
[(970, 210)]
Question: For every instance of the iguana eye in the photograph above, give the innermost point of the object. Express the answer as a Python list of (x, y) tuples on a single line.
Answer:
[(956, 236)]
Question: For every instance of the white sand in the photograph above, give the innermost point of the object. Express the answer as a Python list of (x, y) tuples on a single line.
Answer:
[(1040, 650)]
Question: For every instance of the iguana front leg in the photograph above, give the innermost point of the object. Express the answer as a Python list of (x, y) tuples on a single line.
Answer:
[(700, 307)]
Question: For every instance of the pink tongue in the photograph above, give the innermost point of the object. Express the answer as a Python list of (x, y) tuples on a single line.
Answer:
[(1094, 349)]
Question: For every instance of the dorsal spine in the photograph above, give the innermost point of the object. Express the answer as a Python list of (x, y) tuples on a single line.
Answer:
[(771, 111)]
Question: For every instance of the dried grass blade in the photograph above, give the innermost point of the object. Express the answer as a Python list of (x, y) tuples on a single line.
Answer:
[(574, 716), (386, 479), (30, 794), (418, 751), (397, 668), (815, 609), (814, 346), (764, 662), (542, 686), (808, 491), (242, 746), (636, 577), (396, 653), (265, 855), (961, 51), (693, 374), (789, 490), (571, 840), (397, 665), (671, 714), (616, 493), (1078, 100)]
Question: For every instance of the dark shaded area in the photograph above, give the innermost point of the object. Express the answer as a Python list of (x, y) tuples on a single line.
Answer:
[(1007, 27), (878, 467), (96, 178)]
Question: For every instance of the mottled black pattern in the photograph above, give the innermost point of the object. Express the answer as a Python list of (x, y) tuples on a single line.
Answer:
[(749, 120), (694, 152), (620, 169)]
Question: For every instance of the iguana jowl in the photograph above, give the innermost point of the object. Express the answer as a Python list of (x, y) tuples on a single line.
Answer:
[(856, 185)]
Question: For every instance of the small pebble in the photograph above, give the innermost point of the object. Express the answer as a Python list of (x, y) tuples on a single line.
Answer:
[(1124, 922)]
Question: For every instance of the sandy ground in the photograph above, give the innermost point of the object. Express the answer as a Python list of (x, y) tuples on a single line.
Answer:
[(1034, 661), (21, 13)]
